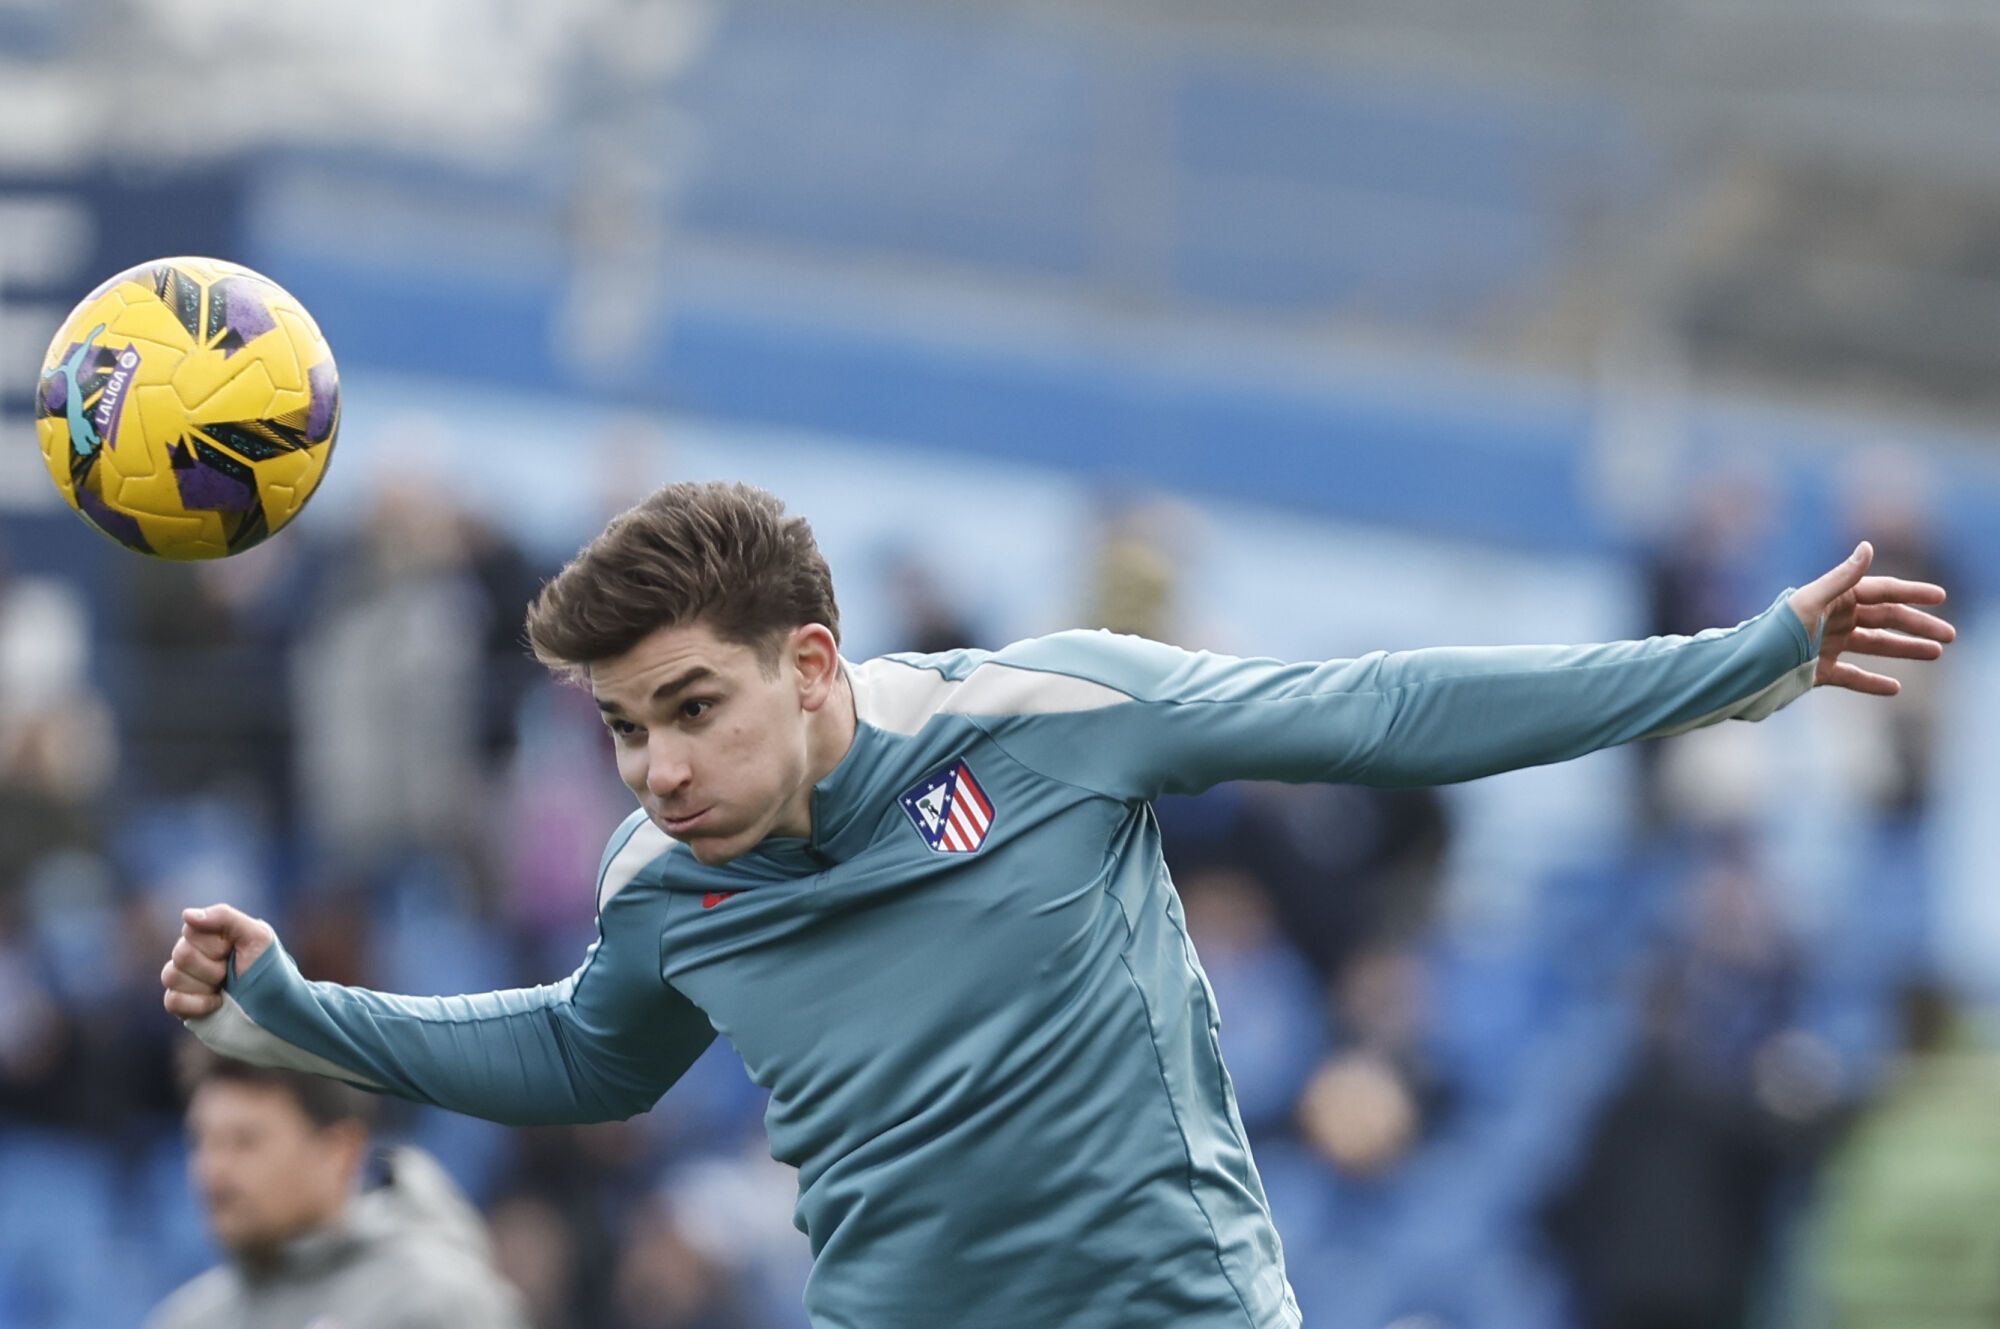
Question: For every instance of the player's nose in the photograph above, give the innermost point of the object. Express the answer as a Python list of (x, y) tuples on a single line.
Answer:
[(667, 766)]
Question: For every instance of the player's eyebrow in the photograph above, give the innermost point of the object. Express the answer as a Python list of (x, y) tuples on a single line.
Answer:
[(698, 674)]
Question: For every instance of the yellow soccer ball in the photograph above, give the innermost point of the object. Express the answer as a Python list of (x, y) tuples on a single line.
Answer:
[(187, 408)]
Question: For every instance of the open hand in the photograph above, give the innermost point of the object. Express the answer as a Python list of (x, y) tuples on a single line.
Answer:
[(1866, 615), (194, 973)]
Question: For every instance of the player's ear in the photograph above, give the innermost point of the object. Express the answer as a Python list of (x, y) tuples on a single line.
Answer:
[(815, 661)]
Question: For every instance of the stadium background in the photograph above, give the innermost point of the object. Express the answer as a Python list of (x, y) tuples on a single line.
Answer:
[(1246, 327)]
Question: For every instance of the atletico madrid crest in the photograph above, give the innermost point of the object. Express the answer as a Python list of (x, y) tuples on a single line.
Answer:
[(950, 810)]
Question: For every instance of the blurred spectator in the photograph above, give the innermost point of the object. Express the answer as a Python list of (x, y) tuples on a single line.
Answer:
[(663, 1282), (1272, 1026), (1134, 580), (584, 1180), (926, 620), (1707, 575), (1360, 1114), (535, 1248), (96, 949), (57, 745), (203, 683), (68, 1051), (564, 791), (594, 1238), (1670, 1219), (715, 1248), (276, 1158), (507, 581), (1381, 1093), (389, 689), (1347, 867), (1906, 1229)]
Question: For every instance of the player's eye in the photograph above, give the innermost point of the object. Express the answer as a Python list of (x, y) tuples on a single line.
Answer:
[(622, 728), (695, 708)]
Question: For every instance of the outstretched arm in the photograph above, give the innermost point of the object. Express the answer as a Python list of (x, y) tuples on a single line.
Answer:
[(1133, 718), (600, 1045)]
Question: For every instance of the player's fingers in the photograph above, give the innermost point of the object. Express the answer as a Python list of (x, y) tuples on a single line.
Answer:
[(1856, 679), (1886, 590), (216, 918), (188, 1006), (1891, 645), (211, 944), (1905, 619), (231, 930), (249, 936), (1842, 577), (175, 979), (196, 965)]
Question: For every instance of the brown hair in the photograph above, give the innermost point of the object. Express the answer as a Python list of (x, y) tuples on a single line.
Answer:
[(323, 1101), (726, 553)]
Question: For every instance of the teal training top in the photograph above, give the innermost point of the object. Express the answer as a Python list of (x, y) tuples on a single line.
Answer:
[(990, 1050)]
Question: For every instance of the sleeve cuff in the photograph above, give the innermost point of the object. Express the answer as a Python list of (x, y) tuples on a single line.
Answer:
[(1806, 640), (259, 969)]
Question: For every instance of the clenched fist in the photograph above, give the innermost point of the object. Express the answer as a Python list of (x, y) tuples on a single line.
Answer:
[(194, 973)]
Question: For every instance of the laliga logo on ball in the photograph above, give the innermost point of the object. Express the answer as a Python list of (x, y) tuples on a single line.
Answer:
[(62, 388), (195, 416)]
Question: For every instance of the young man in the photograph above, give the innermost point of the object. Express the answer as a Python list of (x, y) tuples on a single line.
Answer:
[(276, 1157), (924, 898)]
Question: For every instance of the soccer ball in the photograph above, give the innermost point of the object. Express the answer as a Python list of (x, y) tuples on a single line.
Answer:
[(187, 408)]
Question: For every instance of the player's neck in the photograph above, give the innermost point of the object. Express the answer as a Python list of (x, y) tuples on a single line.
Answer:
[(829, 735), (832, 731)]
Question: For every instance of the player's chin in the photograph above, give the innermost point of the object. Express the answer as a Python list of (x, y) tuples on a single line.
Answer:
[(715, 850)]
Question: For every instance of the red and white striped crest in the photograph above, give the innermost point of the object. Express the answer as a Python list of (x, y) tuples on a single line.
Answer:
[(950, 810)]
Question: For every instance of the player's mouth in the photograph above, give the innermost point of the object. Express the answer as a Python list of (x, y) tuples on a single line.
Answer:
[(678, 826)]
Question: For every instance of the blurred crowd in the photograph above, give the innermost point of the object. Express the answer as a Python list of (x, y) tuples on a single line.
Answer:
[(1673, 1099)]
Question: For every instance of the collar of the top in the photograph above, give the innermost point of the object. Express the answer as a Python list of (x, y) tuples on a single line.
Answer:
[(843, 820)]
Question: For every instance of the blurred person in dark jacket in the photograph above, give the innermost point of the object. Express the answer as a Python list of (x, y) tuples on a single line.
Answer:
[(1349, 869), (277, 1158), (1671, 1218), (928, 616), (201, 683)]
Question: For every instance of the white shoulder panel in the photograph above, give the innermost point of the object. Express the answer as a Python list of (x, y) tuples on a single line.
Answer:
[(234, 1034), (899, 698), (647, 843), (1005, 690)]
